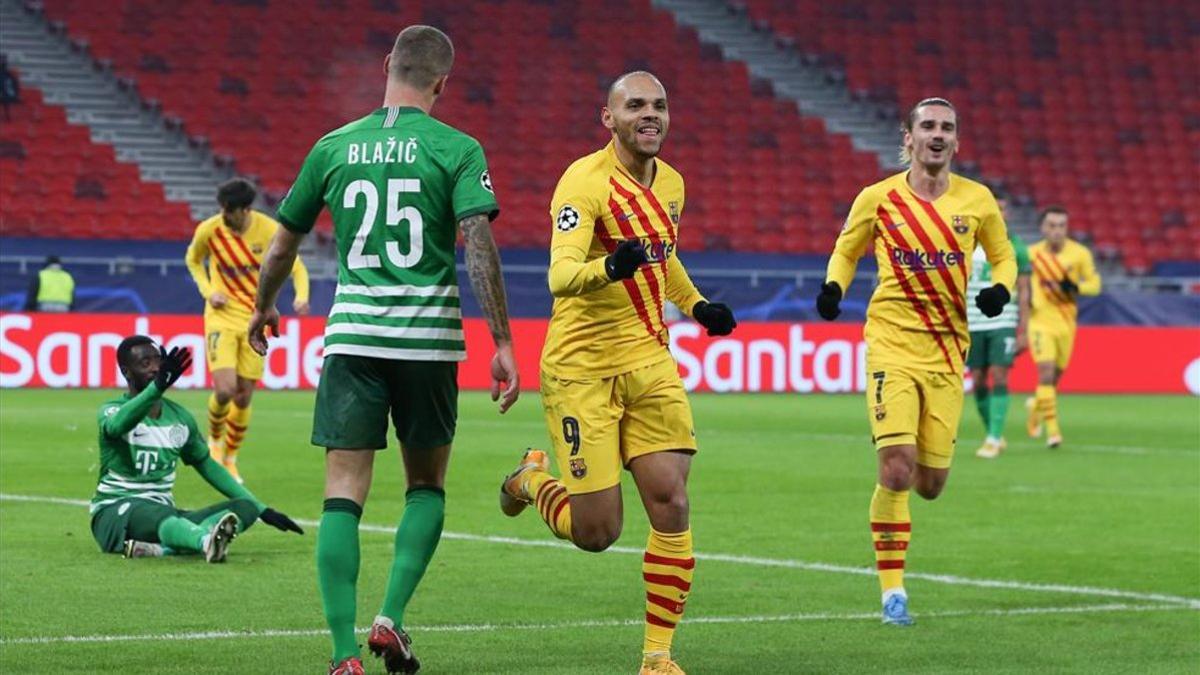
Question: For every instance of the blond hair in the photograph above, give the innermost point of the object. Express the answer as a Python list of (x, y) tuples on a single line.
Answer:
[(911, 119)]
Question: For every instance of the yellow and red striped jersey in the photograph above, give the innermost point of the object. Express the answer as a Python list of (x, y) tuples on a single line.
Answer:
[(600, 328), (917, 314), (233, 264), (1051, 307)]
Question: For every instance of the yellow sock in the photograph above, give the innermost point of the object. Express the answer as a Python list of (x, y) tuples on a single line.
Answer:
[(216, 417), (667, 571), (891, 529), (235, 433), (1047, 406), (552, 501)]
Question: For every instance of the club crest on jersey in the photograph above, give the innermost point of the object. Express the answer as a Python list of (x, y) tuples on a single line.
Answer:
[(880, 412), (567, 219), (673, 208), (485, 179), (960, 224), (578, 467), (256, 249)]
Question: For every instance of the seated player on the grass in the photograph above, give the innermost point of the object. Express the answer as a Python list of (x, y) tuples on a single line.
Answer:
[(142, 438)]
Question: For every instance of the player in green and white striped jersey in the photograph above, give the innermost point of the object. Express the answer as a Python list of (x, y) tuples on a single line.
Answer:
[(996, 341), (399, 185), (143, 437)]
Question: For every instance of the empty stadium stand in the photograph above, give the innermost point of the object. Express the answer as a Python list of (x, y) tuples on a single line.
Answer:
[(1094, 104), (263, 80), (55, 182)]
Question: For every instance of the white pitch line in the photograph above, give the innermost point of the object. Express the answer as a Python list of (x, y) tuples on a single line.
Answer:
[(594, 623), (949, 579)]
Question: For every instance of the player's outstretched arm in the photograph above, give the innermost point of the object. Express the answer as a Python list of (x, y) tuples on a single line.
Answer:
[(116, 422), (850, 246), (716, 317), (276, 266), (487, 281)]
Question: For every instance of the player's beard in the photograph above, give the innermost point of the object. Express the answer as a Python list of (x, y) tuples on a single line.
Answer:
[(628, 137)]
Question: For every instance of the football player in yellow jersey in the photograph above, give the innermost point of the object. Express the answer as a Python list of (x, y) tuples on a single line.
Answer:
[(611, 390), (234, 241), (925, 224), (1063, 270)]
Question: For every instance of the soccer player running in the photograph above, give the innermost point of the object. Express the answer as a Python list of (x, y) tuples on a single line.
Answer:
[(397, 183), (234, 241), (924, 222), (143, 437), (1063, 270), (996, 341), (610, 387)]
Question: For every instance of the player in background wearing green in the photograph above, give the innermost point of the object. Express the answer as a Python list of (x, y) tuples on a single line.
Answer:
[(996, 341), (397, 182), (143, 437)]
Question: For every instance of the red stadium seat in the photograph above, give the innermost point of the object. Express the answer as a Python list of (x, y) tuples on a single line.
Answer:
[(44, 186)]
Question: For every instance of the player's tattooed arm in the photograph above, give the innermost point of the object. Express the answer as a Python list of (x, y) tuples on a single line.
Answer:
[(483, 267)]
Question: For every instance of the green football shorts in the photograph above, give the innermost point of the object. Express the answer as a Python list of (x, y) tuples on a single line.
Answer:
[(996, 347), (357, 393), (139, 519)]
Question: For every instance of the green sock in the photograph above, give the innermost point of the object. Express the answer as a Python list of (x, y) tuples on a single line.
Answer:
[(981, 402), (337, 572), (998, 410), (210, 521), (416, 540), (181, 534)]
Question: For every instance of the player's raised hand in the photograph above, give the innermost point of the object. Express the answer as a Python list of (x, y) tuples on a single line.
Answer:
[(279, 521), (623, 262), (506, 381), (828, 300), (171, 366), (715, 316), (218, 299), (259, 322)]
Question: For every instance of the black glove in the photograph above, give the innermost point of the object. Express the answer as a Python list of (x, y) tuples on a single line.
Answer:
[(1069, 287), (828, 299), (715, 316), (172, 365), (279, 521), (991, 301), (625, 259)]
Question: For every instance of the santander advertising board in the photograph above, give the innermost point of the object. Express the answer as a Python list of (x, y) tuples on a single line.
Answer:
[(78, 350)]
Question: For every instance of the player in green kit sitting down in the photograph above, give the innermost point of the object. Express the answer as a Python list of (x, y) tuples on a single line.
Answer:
[(143, 437)]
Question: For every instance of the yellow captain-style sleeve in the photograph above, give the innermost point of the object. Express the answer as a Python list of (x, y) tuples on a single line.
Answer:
[(680, 289), (993, 237), (852, 242), (197, 251), (573, 210), (300, 280), (1089, 278)]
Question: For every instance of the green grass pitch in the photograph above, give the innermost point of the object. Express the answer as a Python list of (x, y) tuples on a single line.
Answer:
[(1081, 560)]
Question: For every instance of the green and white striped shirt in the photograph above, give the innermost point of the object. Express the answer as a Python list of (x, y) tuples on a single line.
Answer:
[(142, 462), (981, 278), (396, 182)]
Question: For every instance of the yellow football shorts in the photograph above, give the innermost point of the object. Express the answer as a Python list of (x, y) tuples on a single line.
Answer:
[(230, 348), (1051, 344), (600, 425), (910, 406)]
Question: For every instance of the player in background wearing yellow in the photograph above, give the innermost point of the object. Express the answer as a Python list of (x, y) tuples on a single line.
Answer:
[(234, 242), (1063, 270), (611, 390), (925, 223)]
